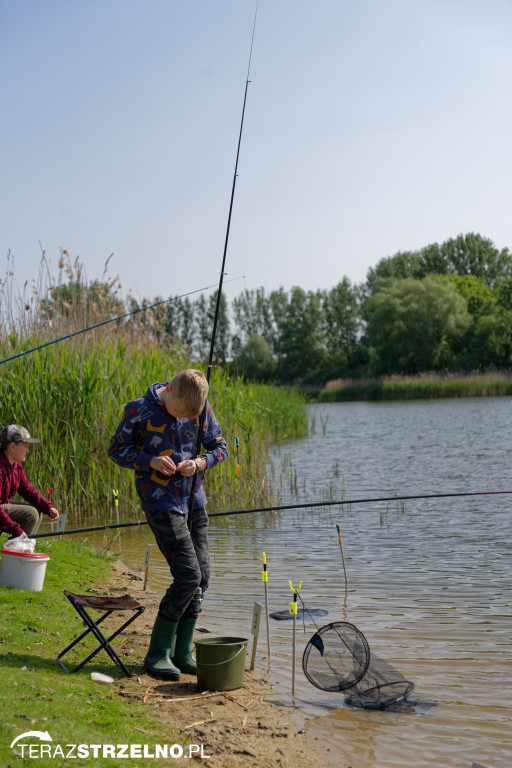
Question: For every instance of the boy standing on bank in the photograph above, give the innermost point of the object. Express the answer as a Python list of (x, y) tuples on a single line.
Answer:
[(19, 519), (157, 437)]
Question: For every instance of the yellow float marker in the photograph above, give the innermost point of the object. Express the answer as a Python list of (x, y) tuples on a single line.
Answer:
[(293, 610), (115, 493), (264, 576), (237, 447)]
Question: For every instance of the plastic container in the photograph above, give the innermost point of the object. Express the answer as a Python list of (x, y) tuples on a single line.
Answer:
[(220, 663), (23, 570)]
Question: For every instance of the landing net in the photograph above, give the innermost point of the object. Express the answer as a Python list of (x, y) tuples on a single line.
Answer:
[(338, 658)]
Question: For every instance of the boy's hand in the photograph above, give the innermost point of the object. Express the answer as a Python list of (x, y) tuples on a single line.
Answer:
[(191, 466), (53, 513), (163, 464), (187, 468)]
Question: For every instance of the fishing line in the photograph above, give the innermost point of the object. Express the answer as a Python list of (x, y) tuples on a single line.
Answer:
[(305, 610), (235, 176), (340, 541), (281, 507), (222, 272), (112, 320)]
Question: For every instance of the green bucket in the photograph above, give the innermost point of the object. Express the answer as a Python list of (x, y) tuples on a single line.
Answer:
[(220, 663)]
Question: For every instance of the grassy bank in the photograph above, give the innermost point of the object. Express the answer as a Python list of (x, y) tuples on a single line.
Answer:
[(72, 394), (37, 695), (424, 386)]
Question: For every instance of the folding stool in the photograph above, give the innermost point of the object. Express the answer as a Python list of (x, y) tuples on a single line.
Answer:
[(107, 604)]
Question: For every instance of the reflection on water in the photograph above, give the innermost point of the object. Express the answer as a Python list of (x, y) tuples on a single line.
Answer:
[(429, 581)]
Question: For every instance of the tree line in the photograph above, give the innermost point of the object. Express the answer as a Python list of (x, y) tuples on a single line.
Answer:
[(446, 307)]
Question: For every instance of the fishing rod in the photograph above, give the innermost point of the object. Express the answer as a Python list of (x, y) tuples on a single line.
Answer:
[(222, 272), (341, 502), (283, 507), (106, 322)]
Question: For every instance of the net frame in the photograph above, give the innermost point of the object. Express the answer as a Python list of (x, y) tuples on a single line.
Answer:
[(337, 657)]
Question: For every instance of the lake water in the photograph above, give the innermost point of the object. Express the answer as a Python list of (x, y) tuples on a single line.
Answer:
[(429, 580)]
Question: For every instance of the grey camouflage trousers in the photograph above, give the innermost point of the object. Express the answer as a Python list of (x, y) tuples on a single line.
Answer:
[(27, 517), (186, 553)]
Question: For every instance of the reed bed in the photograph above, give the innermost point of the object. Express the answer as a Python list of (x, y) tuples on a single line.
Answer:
[(421, 387), (71, 395)]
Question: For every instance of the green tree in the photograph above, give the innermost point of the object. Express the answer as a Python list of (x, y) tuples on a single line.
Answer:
[(278, 303), (493, 339), (256, 361), (179, 323), (252, 316), (480, 299), (469, 254), (341, 323), (202, 329), (486, 340), (204, 315), (398, 267), (504, 293), (300, 345), (222, 334), (251, 313), (412, 324)]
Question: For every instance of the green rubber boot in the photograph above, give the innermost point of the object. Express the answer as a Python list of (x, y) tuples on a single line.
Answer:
[(183, 658), (157, 661)]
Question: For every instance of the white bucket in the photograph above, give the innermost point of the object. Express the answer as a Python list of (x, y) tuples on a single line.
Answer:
[(23, 570)]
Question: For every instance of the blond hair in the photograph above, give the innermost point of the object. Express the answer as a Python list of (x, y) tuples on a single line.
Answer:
[(191, 389)]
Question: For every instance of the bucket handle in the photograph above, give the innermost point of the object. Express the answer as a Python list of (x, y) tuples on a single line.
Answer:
[(219, 663)]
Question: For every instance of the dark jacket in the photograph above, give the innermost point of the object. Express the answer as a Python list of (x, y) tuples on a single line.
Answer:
[(147, 430), (13, 481)]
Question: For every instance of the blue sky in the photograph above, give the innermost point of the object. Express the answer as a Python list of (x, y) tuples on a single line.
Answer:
[(370, 128)]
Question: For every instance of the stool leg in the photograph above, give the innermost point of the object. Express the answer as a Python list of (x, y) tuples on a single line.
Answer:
[(104, 642)]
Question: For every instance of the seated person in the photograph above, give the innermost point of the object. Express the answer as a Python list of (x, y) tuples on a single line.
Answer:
[(19, 519)]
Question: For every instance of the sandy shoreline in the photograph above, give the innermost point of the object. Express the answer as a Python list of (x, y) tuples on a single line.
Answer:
[(240, 728)]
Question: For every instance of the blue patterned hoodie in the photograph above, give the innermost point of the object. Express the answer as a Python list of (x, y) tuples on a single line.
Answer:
[(147, 430)]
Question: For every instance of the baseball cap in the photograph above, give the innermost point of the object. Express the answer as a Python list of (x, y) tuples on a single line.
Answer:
[(16, 434)]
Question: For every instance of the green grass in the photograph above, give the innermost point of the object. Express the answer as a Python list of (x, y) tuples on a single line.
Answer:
[(37, 695)]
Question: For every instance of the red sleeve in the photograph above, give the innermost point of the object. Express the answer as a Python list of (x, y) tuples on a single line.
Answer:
[(6, 524)]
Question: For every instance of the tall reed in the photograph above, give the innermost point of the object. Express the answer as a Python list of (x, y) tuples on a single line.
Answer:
[(72, 394)]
